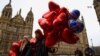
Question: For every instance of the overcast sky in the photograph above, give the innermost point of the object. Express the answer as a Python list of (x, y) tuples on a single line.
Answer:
[(39, 7)]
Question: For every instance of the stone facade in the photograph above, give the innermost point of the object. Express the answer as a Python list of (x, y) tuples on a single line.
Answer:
[(13, 29), (97, 8), (97, 50)]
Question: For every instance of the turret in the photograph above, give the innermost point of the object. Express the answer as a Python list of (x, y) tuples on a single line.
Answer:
[(29, 18), (7, 10)]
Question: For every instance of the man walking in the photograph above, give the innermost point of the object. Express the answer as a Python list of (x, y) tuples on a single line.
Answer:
[(78, 52), (89, 51)]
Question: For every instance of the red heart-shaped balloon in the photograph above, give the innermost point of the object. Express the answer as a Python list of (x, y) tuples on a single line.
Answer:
[(64, 10), (53, 6), (58, 22), (69, 37), (50, 16), (45, 24), (12, 53), (51, 39)]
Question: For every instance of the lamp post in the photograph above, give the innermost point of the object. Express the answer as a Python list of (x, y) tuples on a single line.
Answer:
[(92, 43), (93, 47)]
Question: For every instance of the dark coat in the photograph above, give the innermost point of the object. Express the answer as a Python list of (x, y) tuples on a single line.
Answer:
[(41, 49), (27, 50), (78, 53), (89, 52)]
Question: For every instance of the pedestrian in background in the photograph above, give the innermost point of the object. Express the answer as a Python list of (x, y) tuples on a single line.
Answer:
[(78, 52), (89, 51)]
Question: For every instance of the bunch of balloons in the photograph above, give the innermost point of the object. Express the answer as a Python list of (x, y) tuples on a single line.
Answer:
[(59, 24)]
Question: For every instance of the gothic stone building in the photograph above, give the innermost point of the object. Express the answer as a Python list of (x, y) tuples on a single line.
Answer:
[(13, 29), (97, 9)]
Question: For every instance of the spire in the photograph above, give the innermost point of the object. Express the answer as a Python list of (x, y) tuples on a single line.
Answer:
[(20, 12), (30, 12), (29, 17), (7, 10), (82, 19), (9, 4), (9, 1), (31, 9)]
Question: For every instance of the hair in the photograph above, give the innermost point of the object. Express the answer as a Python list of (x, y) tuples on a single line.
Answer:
[(38, 31)]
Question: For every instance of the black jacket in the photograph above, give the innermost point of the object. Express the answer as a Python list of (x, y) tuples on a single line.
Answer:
[(89, 52), (41, 49), (78, 53), (27, 50)]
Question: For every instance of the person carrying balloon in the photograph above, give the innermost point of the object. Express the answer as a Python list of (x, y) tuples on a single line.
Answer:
[(40, 48), (31, 47), (58, 24), (23, 47)]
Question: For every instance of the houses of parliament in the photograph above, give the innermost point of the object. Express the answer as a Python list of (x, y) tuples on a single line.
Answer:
[(13, 29)]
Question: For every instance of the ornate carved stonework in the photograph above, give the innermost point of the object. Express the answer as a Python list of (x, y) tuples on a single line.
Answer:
[(13, 29)]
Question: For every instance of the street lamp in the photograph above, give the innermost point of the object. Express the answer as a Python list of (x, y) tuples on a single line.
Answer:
[(92, 43)]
